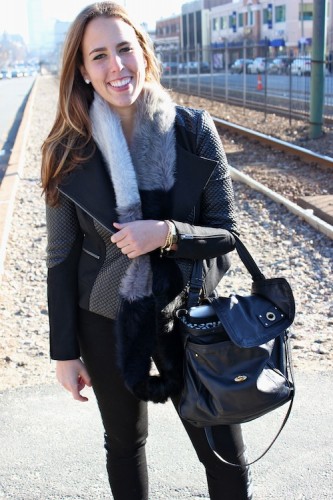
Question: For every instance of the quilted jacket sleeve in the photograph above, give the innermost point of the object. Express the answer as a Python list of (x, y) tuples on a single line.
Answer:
[(213, 237), (63, 250)]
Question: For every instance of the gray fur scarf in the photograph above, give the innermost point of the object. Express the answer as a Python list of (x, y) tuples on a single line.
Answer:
[(143, 176)]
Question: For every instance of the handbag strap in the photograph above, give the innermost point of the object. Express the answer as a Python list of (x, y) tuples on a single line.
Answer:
[(248, 260), (209, 433), (196, 280)]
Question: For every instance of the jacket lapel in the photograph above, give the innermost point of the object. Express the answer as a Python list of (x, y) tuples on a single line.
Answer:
[(192, 175), (90, 188)]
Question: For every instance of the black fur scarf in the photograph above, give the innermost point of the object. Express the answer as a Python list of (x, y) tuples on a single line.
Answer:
[(143, 176)]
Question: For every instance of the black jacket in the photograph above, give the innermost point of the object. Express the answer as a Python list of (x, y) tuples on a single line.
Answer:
[(79, 228)]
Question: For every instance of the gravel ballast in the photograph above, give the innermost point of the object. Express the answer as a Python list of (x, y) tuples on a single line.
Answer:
[(282, 244)]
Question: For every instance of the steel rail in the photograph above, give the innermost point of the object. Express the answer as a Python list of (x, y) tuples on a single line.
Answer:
[(291, 149)]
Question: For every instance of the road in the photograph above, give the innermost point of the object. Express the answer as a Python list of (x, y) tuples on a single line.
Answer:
[(13, 96), (282, 91)]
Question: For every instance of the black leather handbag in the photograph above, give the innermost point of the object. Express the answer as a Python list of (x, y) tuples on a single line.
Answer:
[(237, 364)]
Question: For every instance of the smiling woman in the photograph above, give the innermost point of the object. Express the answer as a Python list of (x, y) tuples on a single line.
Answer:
[(137, 189), (114, 63)]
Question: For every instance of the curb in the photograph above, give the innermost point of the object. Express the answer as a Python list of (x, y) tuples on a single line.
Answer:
[(12, 177), (304, 214)]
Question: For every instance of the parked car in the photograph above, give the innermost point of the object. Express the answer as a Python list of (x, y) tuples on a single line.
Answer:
[(238, 65), (6, 73), (280, 65), (17, 73), (257, 66), (301, 66), (170, 68), (194, 67)]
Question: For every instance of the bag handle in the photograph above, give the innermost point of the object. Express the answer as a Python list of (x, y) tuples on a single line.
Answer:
[(209, 433), (248, 260), (196, 280)]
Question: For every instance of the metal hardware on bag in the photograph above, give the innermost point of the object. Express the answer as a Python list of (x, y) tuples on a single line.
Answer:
[(181, 312), (196, 355), (240, 378), (270, 316)]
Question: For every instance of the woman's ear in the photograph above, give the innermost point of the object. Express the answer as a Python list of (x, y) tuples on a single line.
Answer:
[(84, 75)]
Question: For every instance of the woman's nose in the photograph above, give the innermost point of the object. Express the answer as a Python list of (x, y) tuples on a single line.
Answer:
[(116, 63)]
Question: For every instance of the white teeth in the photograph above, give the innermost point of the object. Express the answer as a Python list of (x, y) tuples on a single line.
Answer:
[(120, 83)]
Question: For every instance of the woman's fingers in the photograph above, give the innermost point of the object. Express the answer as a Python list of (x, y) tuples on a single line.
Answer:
[(73, 376)]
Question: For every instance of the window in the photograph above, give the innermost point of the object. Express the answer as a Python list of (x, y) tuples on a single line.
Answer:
[(307, 12), (280, 14), (199, 30), (265, 16), (233, 21), (191, 30), (215, 24), (240, 20), (250, 18), (174, 28), (223, 23), (184, 30)]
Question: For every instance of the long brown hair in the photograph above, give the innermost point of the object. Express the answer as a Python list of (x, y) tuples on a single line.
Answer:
[(69, 142)]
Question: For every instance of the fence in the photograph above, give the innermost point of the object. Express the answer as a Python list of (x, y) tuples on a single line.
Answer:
[(250, 76)]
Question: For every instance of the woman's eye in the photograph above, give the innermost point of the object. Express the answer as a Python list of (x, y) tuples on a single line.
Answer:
[(125, 49), (99, 56)]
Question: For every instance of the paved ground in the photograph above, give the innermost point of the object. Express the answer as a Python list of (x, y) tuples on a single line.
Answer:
[(51, 448)]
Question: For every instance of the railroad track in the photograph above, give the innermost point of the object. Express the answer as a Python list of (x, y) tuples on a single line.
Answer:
[(316, 210), (291, 149)]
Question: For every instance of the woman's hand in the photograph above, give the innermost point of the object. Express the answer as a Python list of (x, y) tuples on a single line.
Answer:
[(140, 237), (73, 376)]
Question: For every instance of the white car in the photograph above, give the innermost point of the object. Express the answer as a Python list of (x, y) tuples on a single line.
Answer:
[(257, 66), (301, 66)]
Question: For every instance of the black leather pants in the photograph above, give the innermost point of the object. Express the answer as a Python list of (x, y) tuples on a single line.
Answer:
[(126, 426)]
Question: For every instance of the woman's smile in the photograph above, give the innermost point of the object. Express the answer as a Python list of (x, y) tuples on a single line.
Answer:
[(120, 84)]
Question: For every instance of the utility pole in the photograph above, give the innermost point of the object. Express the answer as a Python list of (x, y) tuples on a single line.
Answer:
[(317, 69)]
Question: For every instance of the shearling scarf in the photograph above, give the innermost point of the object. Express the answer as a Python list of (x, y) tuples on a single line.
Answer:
[(143, 175)]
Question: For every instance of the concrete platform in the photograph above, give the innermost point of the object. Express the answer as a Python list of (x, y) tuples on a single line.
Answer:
[(52, 448)]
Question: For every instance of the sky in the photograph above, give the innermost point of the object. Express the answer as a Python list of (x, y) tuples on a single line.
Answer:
[(13, 14)]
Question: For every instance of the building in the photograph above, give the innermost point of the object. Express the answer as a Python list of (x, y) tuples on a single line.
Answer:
[(286, 26), (167, 36), (40, 29)]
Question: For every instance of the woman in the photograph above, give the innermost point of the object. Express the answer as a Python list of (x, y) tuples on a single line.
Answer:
[(136, 190)]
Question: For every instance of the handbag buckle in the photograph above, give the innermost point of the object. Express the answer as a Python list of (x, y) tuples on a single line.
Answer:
[(240, 378)]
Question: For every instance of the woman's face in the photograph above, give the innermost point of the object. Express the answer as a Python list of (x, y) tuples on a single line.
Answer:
[(113, 61)]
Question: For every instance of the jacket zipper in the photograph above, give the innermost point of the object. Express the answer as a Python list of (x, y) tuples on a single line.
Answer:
[(86, 211), (198, 237), (91, 253)]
